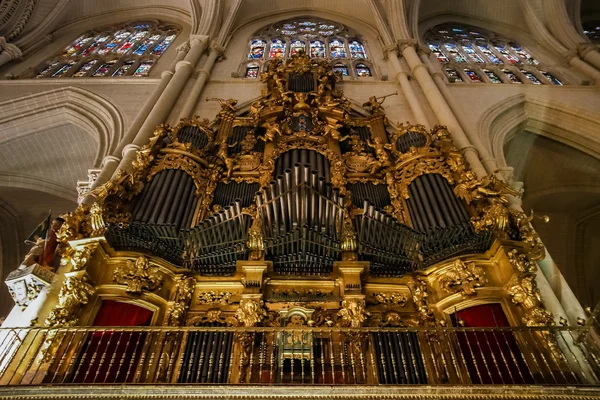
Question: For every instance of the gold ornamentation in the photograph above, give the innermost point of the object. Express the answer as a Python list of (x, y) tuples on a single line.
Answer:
[(352, 314), (349, 243), (520, 261), (255, 241), (390, 299), (463, 277), (374, 105), (250, 313), (524, 292), (521, 225), (180, 161), (227, 106), (138, 275), (418, 287), (214, 297), (177, 314), (185, 288), (74, 293)]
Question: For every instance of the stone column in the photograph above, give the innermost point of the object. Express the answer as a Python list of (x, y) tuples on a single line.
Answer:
[(8, 52), (405, 86), (582, 66), (589, 52), (111, 162), (488, 161), (215, 52), (440, 107), (164, 105)]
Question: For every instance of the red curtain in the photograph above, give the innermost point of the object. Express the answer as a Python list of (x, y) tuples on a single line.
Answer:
[(111, 356), (491, 357), (116, 313)]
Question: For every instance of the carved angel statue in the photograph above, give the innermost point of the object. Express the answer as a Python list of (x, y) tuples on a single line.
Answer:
[(380, 150), (250, 312), (272, 130), (226, 105), (471, 189), (374, 105), (229, 162)]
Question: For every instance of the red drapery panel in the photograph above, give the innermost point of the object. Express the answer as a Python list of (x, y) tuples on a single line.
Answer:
[(111, 356), (116, 313), (491, 357)]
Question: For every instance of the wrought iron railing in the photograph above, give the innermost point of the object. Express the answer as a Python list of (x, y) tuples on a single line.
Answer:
[(308, 356)]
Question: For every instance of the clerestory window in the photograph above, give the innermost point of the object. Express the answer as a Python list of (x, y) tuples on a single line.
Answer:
[(123, 50), (472, 55), (320, 39)]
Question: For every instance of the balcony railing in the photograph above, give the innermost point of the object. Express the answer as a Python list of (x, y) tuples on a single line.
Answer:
[(302, 356)]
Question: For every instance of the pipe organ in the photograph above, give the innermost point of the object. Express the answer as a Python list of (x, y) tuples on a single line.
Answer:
[(305, 214)]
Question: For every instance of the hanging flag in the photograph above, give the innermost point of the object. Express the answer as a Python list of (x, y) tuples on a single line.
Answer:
[(41, 231)]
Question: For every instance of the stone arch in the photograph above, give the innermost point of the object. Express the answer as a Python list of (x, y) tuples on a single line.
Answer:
[(36, 112), (568, 125)]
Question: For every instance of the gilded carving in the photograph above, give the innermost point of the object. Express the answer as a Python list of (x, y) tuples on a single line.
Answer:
[(138, 275), (524, 292), (390, 299), (250, 313), (213, 297), (74, 293), (463, 277), (352, 314), (521, 262), (418, 287)]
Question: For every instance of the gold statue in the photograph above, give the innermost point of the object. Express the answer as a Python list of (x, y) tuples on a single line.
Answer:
[(374, 105), (226, 105), (272, 130)]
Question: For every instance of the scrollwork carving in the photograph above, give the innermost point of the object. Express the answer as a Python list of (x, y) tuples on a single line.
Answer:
[(463, 277), (138, 275), (74, 293)]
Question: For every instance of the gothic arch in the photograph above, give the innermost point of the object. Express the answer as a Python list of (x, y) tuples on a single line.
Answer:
[(565, 124), (36, 112)]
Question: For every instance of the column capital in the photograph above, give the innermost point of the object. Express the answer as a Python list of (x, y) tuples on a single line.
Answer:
[(584, 48), (130, 148), (423, 49), (196, 40), (215, 47), (404, 43), (390, 48), (184, 47)]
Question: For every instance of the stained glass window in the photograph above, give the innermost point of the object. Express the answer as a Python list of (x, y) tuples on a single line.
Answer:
[(472, 75), (454, 54), (122, 70), (362, 70), (98, 52), (453, 75), (144, 68), (472, 54), (441, 57), (48, 68), (277, 48), (337, 49), (493, 77), (317, 49), (491, 56), (104, 68), (472, 47), (63, 70), (551, 78), (257, 49), (295, 46), (113, 44), (319, 38), (252, 71), (510, 75), (77, 46), (145, 45), (341, 69), (509, 57), (83, 70), (98, 41), (357, 50), (160, 49), (523, 54), (531, 77)]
